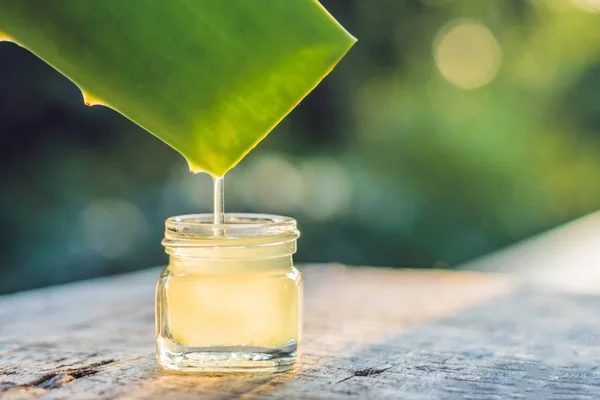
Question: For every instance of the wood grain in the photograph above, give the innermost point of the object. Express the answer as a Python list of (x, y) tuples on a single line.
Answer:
[(369, 333)]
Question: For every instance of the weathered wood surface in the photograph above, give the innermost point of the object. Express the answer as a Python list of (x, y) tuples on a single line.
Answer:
[(369, 333)]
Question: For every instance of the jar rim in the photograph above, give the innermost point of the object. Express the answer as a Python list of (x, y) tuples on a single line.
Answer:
[(200, 227)]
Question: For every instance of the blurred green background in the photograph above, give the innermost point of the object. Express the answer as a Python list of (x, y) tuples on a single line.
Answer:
[(451, 129)]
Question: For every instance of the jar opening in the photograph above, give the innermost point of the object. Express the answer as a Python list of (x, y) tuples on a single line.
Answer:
[(199, 229)]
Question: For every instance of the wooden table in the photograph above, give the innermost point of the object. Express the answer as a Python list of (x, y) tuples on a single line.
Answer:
[(369, 333)]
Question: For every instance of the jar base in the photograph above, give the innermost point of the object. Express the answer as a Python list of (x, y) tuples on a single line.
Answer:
[(175, 357)]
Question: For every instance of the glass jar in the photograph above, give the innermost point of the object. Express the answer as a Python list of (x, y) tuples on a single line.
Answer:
[(230, 298)]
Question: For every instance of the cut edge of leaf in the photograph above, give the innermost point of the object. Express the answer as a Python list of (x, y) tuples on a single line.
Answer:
[(196, 169)]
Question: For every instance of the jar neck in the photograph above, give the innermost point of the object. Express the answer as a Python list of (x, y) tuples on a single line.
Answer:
[(220, 265), (247, 258), (243, 241), (238, 250)]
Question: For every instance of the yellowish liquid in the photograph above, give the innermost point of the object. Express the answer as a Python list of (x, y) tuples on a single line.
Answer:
[(231, 303)]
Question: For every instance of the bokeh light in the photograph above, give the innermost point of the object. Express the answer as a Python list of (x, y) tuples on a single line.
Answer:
[(194, 189), (587, 5), (328, 188), (467, 54), (391, 161), (272, 183), (112, 227)]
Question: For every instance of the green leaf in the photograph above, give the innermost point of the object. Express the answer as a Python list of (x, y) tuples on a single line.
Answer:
[(211, 78)]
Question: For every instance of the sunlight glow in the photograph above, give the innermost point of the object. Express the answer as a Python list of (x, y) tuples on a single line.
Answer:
[(467, 54)]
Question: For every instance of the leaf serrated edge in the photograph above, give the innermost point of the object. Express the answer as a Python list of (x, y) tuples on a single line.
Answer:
[(5, 38), (90, 100)]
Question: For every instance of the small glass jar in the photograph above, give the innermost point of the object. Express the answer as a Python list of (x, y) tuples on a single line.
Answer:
[(230, 298)]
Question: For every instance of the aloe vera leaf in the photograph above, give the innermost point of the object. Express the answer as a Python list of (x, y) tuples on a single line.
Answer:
[(211, 78)]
